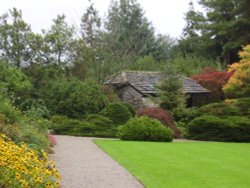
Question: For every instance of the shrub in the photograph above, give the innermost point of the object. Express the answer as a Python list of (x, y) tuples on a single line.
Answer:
[(213, 81), (92, 125), (171, 90), (73, 98), (131, 109), (219, 109), (217, 129), (185, 115), (239, 84), (163, 116), (117, 112), (145, 129), (21, 166), (99, 121), (22, 128), (210, 128), (64, 125), (12, 114), (243, 104)]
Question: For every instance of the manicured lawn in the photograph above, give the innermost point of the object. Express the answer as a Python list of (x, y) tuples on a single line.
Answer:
[(183, 165)]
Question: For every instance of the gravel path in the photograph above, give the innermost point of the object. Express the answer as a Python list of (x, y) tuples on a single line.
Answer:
[(82, 164)]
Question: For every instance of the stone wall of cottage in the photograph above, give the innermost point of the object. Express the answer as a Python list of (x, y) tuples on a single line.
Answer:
[(130, 95)]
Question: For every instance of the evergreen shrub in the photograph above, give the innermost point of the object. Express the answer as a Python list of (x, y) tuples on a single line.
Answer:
[(117, 112), (145, 129), (219, 109), (212, 128), (163, 116), (131, 109)]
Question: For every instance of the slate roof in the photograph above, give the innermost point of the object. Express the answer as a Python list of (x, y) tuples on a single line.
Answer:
[(145, 81)]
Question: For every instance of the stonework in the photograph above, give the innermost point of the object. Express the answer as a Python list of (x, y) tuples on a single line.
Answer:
[(130, 95)]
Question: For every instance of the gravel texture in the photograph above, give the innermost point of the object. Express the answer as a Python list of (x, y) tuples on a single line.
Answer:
[(82, 164)]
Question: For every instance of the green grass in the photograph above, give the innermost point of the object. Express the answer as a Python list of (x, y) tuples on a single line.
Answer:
[(183, 165)]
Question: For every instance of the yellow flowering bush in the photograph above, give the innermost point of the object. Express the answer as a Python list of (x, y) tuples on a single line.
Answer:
[(22, 167)]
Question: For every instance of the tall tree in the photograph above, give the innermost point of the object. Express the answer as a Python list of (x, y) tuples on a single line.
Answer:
[(14, 38), (128, 31), (224, 27), (91, 35), (59, 39), (91, 26)]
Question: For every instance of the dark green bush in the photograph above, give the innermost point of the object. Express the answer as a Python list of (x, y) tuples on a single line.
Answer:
[(241, 128), (12, 114), (131, 109), (93, 125), (99, 121), (117, 112), (213, 128), (185, 115), (145, 129), (74, 98), (219, 109), (64, 125), (243, 104)]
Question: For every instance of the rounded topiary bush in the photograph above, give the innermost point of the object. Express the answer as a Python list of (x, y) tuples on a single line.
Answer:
[(145, 129), (219, 109), (117, 112), (234, 128), (163, 116)]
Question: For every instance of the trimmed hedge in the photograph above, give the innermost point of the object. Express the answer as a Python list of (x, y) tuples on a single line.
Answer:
[(212, 128), (145, 129), (117, 112), (163, 116)]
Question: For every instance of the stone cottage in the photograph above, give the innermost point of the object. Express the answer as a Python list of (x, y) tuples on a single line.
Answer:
[(137, 87)]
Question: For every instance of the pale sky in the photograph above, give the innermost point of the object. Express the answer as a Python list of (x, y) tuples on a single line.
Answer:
[(167, 16)]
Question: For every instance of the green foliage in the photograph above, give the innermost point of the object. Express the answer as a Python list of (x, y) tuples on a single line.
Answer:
[(243, 104), (117, 112), (217, 129), (129, 33), (145, 129), (131, 109), (11, 113), (13, 83), (185, 115), (14, 38), (219, 109), (216, 30), (171, 90), (75, 98), (99, 121), (20, 128), (91, 125), (189, 64), (58, 40)]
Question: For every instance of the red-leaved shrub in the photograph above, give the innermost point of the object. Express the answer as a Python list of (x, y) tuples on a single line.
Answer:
[(163, 116), (213, 81)]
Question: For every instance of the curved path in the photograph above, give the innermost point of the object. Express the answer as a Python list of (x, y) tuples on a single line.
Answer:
[(82, 164)]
